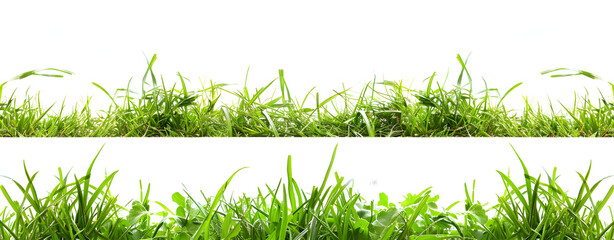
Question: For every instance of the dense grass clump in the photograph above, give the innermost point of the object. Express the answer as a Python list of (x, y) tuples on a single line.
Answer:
[(380, 109), (532, 209)]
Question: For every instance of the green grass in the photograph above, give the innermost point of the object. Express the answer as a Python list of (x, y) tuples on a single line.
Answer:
[(535, 208), (379, 109)]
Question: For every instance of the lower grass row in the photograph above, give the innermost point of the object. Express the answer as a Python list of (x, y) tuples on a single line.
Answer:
[(536, 208)]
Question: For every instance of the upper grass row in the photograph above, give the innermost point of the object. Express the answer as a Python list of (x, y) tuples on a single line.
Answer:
[(380, 109)]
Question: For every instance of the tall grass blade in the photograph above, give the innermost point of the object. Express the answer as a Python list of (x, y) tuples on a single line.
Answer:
[(204, 227)]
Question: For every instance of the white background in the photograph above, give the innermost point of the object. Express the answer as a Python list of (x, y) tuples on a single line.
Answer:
[(317, 43)]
